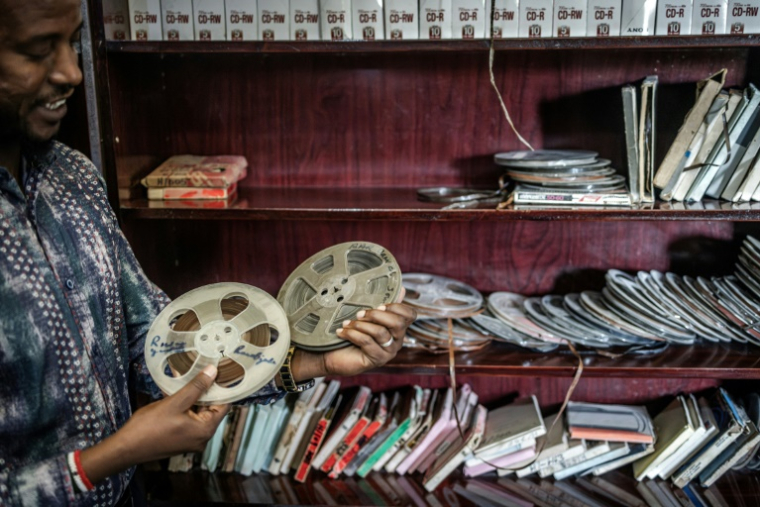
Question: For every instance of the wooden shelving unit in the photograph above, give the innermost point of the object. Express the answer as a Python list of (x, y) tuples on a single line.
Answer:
[(400, 204), (457, 46), (340, 135)]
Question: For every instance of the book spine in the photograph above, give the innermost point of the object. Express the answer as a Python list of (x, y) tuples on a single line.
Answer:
[(349, 440), (311, 450), (350, 453)]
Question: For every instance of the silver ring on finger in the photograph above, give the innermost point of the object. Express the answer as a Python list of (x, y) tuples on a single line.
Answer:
[(388, 343)]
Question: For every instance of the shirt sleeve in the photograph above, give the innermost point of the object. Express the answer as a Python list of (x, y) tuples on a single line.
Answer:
[(45, 482), (143, 301)]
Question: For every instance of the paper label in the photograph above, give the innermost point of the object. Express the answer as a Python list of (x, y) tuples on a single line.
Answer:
[(743, 16), (304, 20), (274, 20), (116, 19), (336, 20), (401, 22), (435, 19), (469, 19), (709, 17), (145, 19), (673, 17), (604, 18), (177, 18), (367, 19), (242, 20), (536, 19), (638, 17), (570, 18)]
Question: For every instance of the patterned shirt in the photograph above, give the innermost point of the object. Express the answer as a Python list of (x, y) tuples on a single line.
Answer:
[(75, 307)]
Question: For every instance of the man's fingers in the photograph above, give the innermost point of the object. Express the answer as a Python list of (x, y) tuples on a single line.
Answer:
[(213, 413), (396, 318), (186, 397)]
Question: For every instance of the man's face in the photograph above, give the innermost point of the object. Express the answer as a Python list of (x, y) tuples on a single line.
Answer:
[(38, 66)]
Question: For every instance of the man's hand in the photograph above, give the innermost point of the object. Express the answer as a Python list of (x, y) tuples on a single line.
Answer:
[(377, 335), (162, 429)]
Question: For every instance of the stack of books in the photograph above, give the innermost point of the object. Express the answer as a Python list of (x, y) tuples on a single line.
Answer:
[(432, 433), (191, 177)]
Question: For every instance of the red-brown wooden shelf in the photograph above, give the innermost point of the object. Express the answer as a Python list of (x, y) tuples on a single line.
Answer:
[(201, 488), (401, 204), (714, 41), (713, 361)]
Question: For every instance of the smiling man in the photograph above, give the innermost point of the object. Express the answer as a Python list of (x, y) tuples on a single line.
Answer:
[(75, 305)]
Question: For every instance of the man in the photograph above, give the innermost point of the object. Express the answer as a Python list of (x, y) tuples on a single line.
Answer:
[(75, 305)]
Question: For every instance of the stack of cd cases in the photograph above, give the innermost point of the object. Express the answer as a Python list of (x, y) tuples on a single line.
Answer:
[(563, 177)]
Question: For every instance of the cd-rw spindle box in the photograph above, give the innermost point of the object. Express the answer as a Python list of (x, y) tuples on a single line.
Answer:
[(604, 18), (435, 19), (145, 19), (506, 19), (570, 18), (242, 20), (536, 18), (274, 19), (709, 17), (401, 21), (177, 18), (743, 16), (304, 20), (210, 20), (116, 19), (368, 20)]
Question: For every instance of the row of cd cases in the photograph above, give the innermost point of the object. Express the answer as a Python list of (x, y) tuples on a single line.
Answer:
[(338, 20)]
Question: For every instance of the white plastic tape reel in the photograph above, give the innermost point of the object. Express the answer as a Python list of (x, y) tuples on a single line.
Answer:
[(237, 327), (334, 285)]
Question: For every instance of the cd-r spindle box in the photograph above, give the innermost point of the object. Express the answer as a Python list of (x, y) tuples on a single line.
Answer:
[(145, 19), (743, 16), (638, 17), (673, 17), (603, 18), (116, 19), (242, 20), (210, 20), (435, 19), (304, 19), (506, 19), (536, 18), (177, 17), (401, 20), (336, 19), (709, 17), (368, 22), (274, 19), (469, 19), (570, 18)]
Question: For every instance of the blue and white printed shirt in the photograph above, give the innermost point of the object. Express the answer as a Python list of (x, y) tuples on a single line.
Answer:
[(75, 307)]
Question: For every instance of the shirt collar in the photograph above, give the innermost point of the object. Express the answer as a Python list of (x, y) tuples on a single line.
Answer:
[(34, 158)]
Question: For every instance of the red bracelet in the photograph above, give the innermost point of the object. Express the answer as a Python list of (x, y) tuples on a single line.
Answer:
[(80, 471)]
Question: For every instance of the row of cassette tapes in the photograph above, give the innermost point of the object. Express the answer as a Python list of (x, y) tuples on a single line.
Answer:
[(339, 20)]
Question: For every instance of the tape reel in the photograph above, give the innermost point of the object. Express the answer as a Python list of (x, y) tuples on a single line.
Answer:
[(436, 296), (334, 285), (237, 327)]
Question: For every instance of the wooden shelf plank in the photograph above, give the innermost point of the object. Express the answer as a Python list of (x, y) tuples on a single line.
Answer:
[(401, 204), (201, 488), (713, 41), (698, 361)]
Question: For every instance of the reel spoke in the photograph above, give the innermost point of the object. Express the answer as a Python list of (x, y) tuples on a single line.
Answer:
[(208, 311)]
